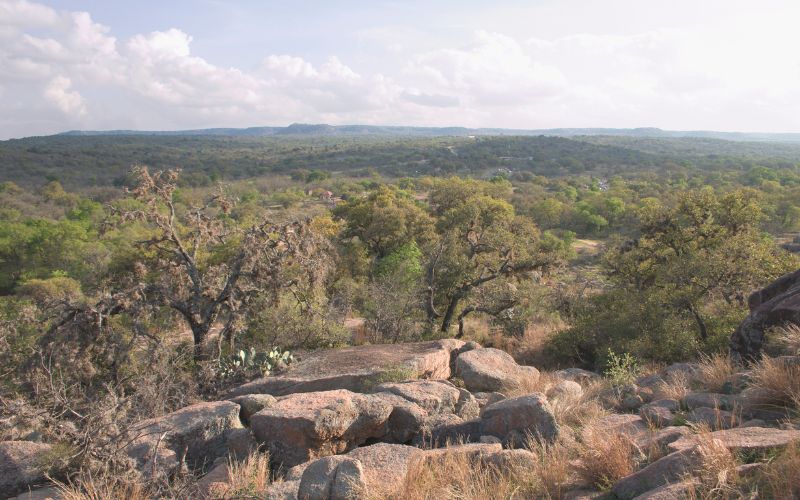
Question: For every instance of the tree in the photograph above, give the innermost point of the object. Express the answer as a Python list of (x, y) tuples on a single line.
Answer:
[(707, 248), (482, 243), (385, 220), (207, 268)]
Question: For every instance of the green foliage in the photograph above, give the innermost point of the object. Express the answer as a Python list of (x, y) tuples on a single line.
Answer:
[(249, 362), (390, 375), (621, 369), (404, 265), (385, 220)]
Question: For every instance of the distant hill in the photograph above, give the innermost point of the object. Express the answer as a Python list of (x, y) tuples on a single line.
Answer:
[(81, 160), (303, 129)]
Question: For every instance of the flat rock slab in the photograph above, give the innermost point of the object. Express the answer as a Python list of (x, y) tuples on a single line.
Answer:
[(203, 431), (433, 396), (674, 491), (743, 438), (21, 465), (359, 368), (301, 427)]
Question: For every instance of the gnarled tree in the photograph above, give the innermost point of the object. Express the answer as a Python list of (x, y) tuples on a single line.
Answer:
[(206, 267), (482, 243)]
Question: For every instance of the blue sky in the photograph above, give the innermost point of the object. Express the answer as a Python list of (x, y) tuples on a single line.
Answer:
[(716, 64)]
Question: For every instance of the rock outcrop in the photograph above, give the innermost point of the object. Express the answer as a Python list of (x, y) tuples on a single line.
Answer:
[(514, 420), (743, 439), (776, 304), (305, 426), (492, 370), (335, 477), (359, 369), (21, 465), (202, 432)]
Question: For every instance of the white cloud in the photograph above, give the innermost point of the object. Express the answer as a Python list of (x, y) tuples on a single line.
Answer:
[(68, 101), (740, 71)]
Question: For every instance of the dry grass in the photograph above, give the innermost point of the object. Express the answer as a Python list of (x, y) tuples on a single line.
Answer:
[(676, 387), (775, 383), (88, 486), (606, 457), (578, 412), (527, 350), (785, 340), (529, 385), (570, 410), (457, 476), (780, 478), (454, 476), (246, 479), (554, 472), (713, 372), (716, 473)]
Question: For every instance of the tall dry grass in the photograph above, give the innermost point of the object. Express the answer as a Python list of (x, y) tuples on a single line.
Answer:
[(529, 349), (785, 340), (775, 383), (103, 486), (457, 476), (713, 372), (607, 457), (675, 387), (577, 412), (716, 474), (246, 479), (780, 478)]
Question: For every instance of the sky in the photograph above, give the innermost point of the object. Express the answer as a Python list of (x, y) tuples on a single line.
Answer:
[(729, 65)]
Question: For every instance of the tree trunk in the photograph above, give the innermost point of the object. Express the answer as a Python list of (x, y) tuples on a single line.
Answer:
[(199, 335), (451, 310), (464, 313), (701, 325)]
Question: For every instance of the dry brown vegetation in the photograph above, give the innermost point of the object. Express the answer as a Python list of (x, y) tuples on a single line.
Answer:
[(714, 371), (607, 457), (785, 340), (457, 476), (246, 479), (528, 349), (675, 387), (775, 382), (781, 476)]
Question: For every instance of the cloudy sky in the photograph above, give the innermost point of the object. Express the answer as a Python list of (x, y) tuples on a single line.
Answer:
[(176, 64)]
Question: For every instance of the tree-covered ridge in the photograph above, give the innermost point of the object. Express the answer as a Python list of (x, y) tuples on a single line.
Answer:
[(82, 161)]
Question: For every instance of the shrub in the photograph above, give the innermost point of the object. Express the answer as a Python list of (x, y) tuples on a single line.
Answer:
[(621, 369)]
